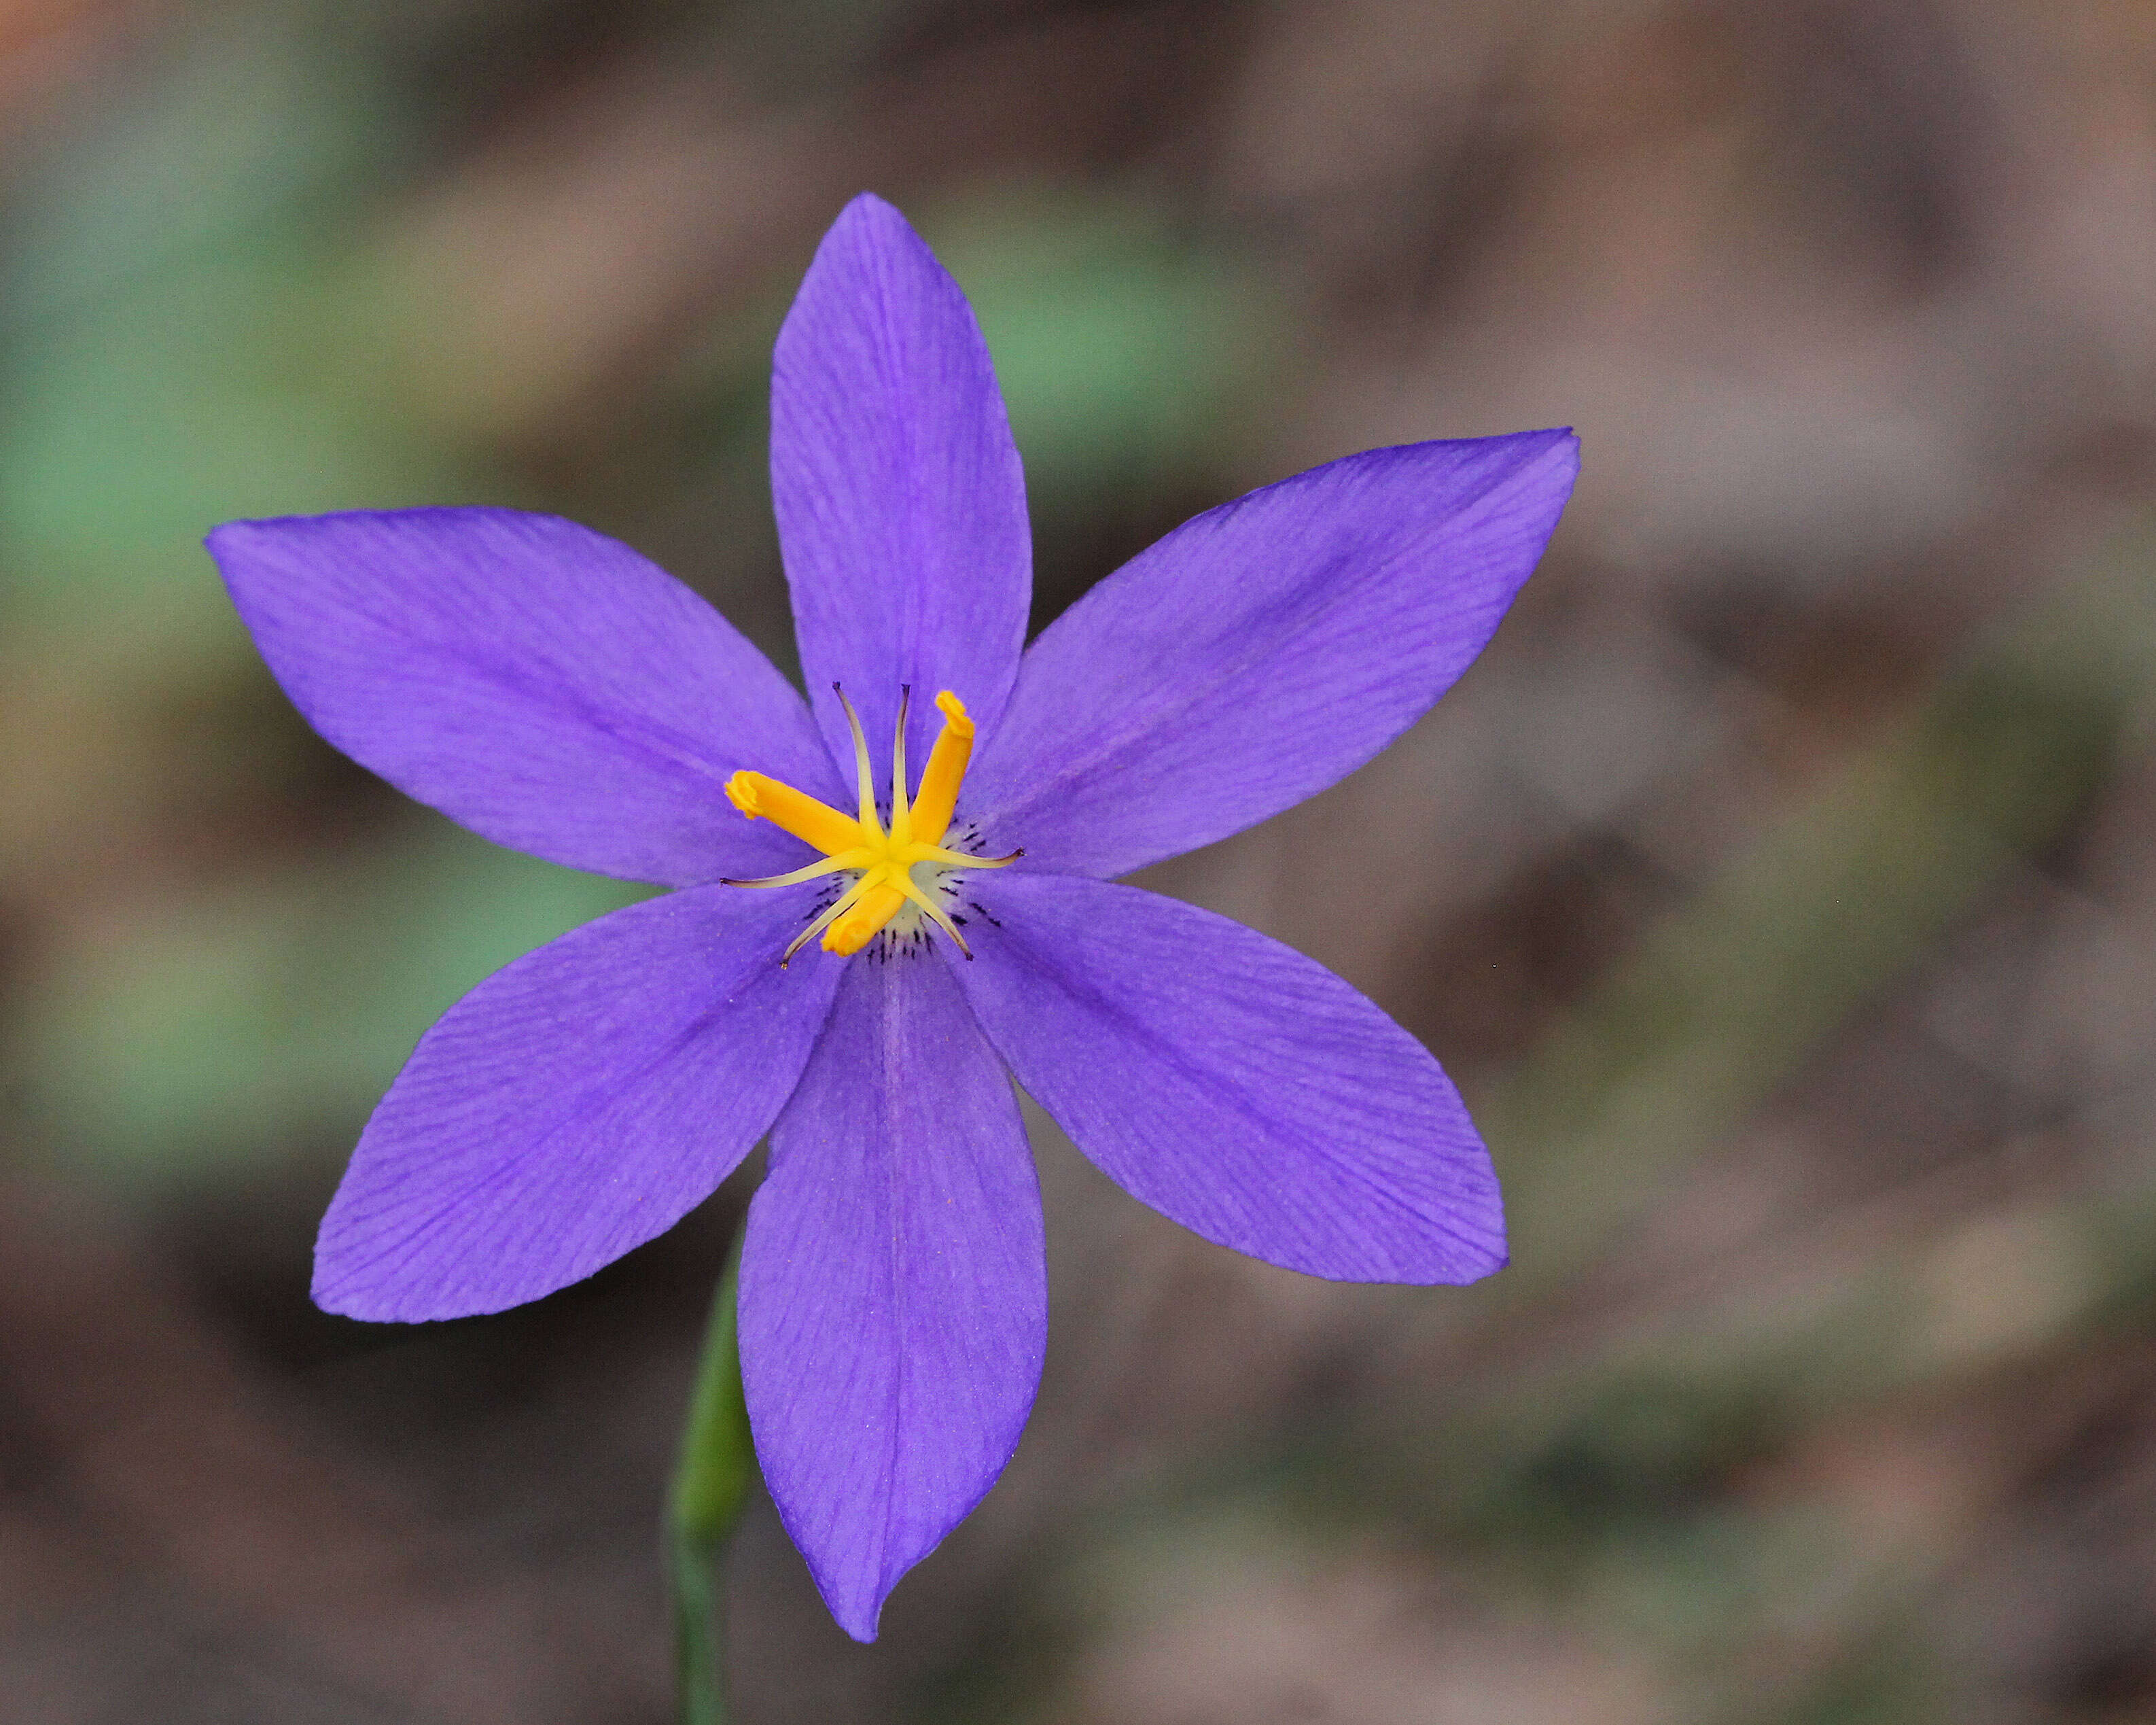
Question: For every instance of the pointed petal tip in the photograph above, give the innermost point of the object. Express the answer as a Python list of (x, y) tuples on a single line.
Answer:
[(330, 1296), (859, 1618), (1556, 445), (1559, 457), (1566, 441), (869, 221), (341, 1289), (890, 448), (1364, 1167), (341, 1303), (351, 1281), (1476, 1247), (1553, 446), (236, 532), (870, 206), (235, 538), (1497, 1257), (341, 1297), (432, 645), (574, 1105), (1265, 649), (893, 1299), (348, 1292)]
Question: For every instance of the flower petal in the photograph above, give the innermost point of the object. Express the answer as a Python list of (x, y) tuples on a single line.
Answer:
[(574, 1104), (894, 1301), (1233, 1084), (1262, 650), (540, 682), (899, 498)]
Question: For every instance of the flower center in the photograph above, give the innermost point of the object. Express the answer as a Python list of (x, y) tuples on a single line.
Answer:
[(888, 867)]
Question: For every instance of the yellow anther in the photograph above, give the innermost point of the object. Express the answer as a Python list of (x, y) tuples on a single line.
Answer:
[(829, 914), (812, 821), (882, 863), (946, 768), (955, 716), (861, 924)]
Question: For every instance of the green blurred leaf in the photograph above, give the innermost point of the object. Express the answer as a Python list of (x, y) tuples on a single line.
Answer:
[(1122, 346), (174, 306)]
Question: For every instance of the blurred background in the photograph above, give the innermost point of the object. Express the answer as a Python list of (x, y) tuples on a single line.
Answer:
[(1779, 886)]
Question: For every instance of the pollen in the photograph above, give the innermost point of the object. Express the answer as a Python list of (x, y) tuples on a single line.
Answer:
[(895, 870)]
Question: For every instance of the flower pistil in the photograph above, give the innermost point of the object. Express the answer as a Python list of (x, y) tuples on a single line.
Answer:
[(888, 865)]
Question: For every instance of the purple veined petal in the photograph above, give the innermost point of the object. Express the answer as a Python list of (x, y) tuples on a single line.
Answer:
[(538, 681), (575, 1104), (894, 1299), (1233, 1084), (899, 498), (1262, 650)]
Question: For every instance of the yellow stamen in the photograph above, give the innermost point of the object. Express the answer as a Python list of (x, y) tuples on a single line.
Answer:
[(882, 862), (875, 908), (829, 915), (812, 821), (946, 767)]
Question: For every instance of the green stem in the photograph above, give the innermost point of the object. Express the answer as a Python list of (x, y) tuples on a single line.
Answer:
[(710, 1484)]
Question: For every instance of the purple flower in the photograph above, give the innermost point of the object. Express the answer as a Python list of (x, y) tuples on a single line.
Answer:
[(553, 691)]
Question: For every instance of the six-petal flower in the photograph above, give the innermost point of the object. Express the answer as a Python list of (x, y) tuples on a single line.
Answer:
[(555, 692)]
